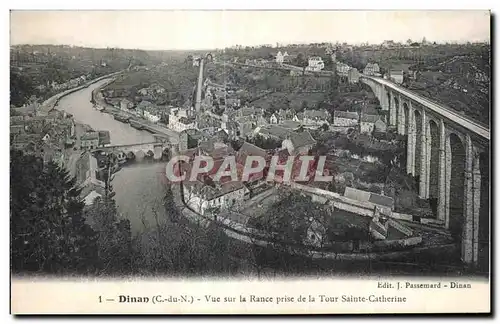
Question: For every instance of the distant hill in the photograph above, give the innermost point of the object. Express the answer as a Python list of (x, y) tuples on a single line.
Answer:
[(460, 82)]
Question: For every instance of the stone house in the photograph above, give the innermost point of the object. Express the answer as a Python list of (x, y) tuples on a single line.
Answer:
[(89, 140), (396, 76), (345, 118), (370, 123), (353, 76), (298, 143)]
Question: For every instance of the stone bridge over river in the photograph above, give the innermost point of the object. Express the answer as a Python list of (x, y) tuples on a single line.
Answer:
[(140, 150)]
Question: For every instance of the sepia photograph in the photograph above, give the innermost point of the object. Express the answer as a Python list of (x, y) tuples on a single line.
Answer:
[(254, 146)]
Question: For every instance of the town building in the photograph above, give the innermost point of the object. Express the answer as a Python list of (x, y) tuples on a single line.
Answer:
[(87, 171), (287, 58), (233, 102), (89, 140), (157, 89), (285, 114), (126, 105), (104, 138), (384, 203), (17, 129), (292, 125), (180, 120), (315, 63), (29, 109), (88, 178), (273, 119), (342, 69), (143, 106), (208, 121), (248, 112), (205, 195), (246, 125), (279, 58), (396, 76), (46, 138), (26, 142), (345, 118), (299, 143), (90, 192), (272, 131), (203, 198), (353, 76), (261, 121), (247, 150), (152, 113), (372, 69), (372, 123), (316, 117)]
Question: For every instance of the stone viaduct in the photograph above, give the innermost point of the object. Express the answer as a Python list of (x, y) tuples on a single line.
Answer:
[(448, 154)]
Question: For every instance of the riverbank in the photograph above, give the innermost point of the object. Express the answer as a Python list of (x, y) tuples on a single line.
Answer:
[(154, 128), (49, 104)]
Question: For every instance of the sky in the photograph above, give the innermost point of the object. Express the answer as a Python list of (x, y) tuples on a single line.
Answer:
[(175, 29)]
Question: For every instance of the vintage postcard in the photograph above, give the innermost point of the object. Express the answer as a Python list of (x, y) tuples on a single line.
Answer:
[(250, 162)]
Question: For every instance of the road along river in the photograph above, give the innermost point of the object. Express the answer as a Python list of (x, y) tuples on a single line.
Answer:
[(139, 187)]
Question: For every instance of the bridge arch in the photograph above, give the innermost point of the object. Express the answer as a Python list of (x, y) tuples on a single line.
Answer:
[(482, 176), (433, 164), (455, 152), (417, 157), (397, 114), (389, 108), (405, 111)]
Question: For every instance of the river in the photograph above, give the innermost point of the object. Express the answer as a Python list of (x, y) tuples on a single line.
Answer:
[(139, 188)]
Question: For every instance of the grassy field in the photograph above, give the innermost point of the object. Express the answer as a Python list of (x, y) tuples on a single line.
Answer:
[(290, 101), (178, 80)]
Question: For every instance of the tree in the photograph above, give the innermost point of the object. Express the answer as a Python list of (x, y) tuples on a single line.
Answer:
[(21, 88), (303, 106), (48, 230), (328, 63), (178, 249), (300, 60), (114, 239)]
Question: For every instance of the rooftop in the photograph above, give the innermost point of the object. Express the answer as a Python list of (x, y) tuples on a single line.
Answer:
[(301, 139), (374, 198), (275, 131), (316, 114), (370, 118), (248, 149), (90, 136), (346, 114)]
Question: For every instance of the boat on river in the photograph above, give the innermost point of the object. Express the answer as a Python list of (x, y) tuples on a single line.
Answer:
[(121, 118), (136, 124), (98, 107)]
